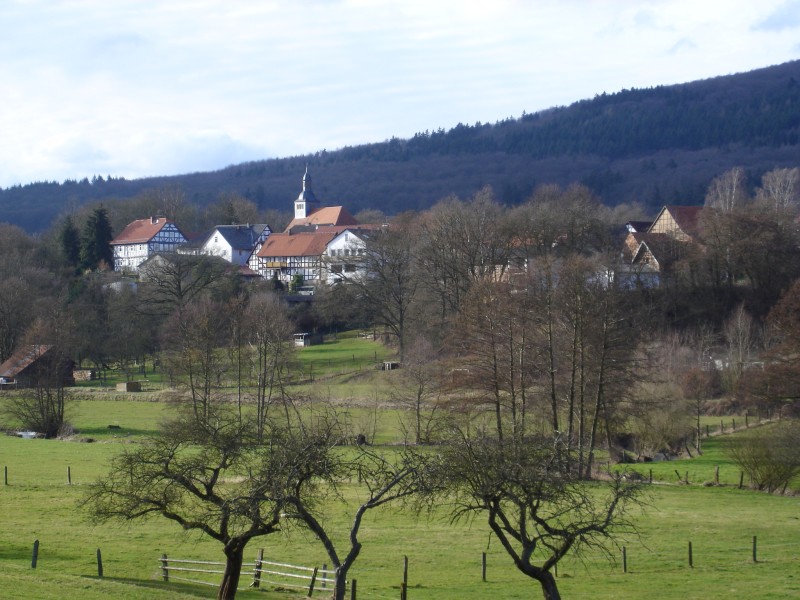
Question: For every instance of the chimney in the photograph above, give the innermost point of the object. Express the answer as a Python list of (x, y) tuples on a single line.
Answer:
[(153, 220)]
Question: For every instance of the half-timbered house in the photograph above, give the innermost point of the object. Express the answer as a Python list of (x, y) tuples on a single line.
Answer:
[(285, 255), (142, 238)]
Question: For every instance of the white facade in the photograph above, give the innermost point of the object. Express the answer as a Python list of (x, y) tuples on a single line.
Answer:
[(128, 256), (344, 257)]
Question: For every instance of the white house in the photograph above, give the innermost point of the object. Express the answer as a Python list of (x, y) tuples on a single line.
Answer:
[(142, 238), (344, 255), (235, 243)]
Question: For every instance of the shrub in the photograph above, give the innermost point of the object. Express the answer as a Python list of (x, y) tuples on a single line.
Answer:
[(770, 456)]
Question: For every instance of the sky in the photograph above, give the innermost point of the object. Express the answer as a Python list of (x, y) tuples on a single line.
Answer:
[(137, 88)]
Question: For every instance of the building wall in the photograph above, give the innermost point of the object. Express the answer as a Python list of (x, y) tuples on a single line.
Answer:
[(344, 257)]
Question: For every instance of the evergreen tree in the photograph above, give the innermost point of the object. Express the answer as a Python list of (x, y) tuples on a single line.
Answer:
[(96, 240), (70, 241)]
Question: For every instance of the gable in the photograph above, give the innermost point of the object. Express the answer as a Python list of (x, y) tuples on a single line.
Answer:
[(680, 222)]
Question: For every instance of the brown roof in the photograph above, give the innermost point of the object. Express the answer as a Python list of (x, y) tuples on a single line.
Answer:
[(140, 231), (306, 243), (22, 359), (327, 215), (687, 218)]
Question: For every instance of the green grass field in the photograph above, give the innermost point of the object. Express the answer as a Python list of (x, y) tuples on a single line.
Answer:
[(444, 558)]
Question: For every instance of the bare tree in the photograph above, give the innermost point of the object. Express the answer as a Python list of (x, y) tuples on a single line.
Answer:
[(192, 474), (194, 339), (780, 189), (390, 285), (420, 388), (728, 191), (494, 334), (268, 334), (536, 508), (171, 282), (463, 243), (740, 335), (385, 478)]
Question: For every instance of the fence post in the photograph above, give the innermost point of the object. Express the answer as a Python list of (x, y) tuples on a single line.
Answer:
[(734, 424), (5, 469), (624, 560), (99, 564), (716, 474), (403, 591), (651, 475), (257, 568), (721, 426), (746, 420), (35, 557), (708, 433), (313, 581), (69, 475), (164, 567), (483, 566), (691, 561), (353, 590), (324, 575), (755, 556), (405, 576), (741, 479)]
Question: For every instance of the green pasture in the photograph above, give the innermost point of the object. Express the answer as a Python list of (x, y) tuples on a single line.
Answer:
[(444, 558)]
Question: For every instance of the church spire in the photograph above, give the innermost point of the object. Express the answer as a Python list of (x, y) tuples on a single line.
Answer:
[(306, 202)]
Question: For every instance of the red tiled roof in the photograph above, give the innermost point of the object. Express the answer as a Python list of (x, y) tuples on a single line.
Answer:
[(140, 231), (325, 216), (306, 243)]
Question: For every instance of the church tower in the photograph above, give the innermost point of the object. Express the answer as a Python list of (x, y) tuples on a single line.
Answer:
[(306, 202)]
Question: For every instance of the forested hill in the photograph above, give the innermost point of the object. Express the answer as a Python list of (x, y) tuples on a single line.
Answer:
[(656, 146)]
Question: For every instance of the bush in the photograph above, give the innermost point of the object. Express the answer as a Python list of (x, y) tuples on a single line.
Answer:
[(770, 456)]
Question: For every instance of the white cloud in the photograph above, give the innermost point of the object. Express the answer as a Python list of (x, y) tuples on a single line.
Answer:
[(136, 88)]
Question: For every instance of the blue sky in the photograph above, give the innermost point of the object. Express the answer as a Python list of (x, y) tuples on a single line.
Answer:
[(135, 88)]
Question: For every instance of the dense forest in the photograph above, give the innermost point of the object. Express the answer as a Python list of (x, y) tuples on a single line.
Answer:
[(651, 146)]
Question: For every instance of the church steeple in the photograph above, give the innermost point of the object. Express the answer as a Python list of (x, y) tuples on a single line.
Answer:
[(306, 202)]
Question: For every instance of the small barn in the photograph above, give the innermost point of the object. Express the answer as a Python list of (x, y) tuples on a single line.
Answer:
[(307, 339), (32, 364)]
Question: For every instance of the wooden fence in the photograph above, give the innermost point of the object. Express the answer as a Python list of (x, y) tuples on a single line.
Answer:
[(281, 576)]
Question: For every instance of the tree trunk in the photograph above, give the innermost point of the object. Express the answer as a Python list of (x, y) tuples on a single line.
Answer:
[(340, 587), (549, 587), (234, 555)]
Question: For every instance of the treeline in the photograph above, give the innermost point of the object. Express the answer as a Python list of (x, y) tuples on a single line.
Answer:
[(556, 258), (653, 146)]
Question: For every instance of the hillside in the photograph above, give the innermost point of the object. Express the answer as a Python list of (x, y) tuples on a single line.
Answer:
[(655, 146)]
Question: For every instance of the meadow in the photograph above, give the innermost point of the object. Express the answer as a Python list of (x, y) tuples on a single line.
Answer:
[(39, 503)]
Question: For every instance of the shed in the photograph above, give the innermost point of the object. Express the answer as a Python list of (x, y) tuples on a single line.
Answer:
[(307, 339)]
